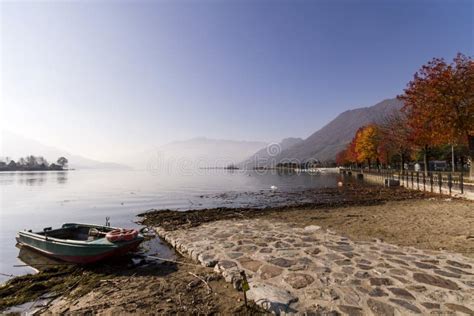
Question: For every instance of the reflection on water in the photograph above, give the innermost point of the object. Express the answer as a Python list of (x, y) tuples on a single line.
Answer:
[(61, 177), (34, 200), (33, 178), (34, 259)]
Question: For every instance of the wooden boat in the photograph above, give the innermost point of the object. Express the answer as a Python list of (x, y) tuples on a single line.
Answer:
[(81, 243)]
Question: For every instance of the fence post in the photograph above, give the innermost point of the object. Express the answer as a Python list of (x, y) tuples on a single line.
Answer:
[(450, 183), (461, 182), (424, 182), (440, 182), (412, 185), (431, 182), (418, 180)]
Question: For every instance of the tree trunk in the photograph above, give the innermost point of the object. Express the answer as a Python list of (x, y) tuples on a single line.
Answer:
[(471, 155), (452, 159), (425, 159), (402, 156)]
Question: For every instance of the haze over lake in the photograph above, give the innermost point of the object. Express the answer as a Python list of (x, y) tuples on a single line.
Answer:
[(33, 200)]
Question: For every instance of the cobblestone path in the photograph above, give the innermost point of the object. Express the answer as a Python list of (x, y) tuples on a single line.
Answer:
[(297, 270)]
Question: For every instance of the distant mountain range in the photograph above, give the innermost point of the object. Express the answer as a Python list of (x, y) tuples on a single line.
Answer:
[(266, 155), (201, 153), (15, 146), (324, 144)]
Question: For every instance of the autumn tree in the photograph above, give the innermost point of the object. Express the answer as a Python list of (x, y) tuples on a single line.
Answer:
[(395, 137), (367, 144), (348, 156), (439, 103)]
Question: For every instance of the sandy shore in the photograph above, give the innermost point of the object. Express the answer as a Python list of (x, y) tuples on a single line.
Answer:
[(433, 223)]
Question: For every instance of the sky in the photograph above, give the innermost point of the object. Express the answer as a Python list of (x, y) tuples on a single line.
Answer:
[(107, 78)]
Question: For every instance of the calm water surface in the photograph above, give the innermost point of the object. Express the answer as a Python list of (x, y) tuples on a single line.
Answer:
[(34, 200)]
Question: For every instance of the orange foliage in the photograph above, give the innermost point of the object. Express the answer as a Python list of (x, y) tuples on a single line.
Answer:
[(439, 102)]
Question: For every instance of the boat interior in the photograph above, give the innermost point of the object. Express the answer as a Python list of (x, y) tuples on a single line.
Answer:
[(76, 232)]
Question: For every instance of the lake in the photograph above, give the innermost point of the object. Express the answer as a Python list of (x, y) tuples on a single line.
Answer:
[(34, 200)]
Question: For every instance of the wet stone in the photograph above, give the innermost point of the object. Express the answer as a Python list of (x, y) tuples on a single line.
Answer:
[(341, 248), (362, 275), (401, 293), (245, 248), (363, 261), (313, 251), (348, 270), (222, 235), (268, 272), (345, 262), (348, 254), (398, 271), (406, 305), (351, 310), (423, 265), (299, 280), (306, 261), (458, 264), (380, 281), (430, 305), (364, 267), (447, 274), (281, 244), (380, 308), (244, 242), (459, 308), (432, 261), (234, 255), (207, 260), (401, 262), (309, 239), (266, 250), (458, 271), (417, 288), (226, 264), (333, 256), (435, 281), (377, 292), (325, 294), (282, 262), (250, 264), (355, 282)]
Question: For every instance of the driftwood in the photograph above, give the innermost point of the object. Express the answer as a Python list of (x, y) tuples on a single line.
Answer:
[(204, 281)]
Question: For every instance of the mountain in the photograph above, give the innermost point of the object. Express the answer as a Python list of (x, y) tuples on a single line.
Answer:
[(201, 153), (325, 143), (15, 146), (265, 155)]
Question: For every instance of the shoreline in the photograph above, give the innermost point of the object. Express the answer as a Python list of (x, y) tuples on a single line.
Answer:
[(364, 213)]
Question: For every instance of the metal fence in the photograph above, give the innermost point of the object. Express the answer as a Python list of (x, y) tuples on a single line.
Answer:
[(436, 182)]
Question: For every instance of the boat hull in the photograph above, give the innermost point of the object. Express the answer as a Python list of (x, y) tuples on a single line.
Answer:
[(86, 259), (74, 251)]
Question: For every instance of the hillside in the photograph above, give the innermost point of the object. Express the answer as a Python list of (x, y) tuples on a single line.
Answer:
[(324, 144), (265, 155)]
